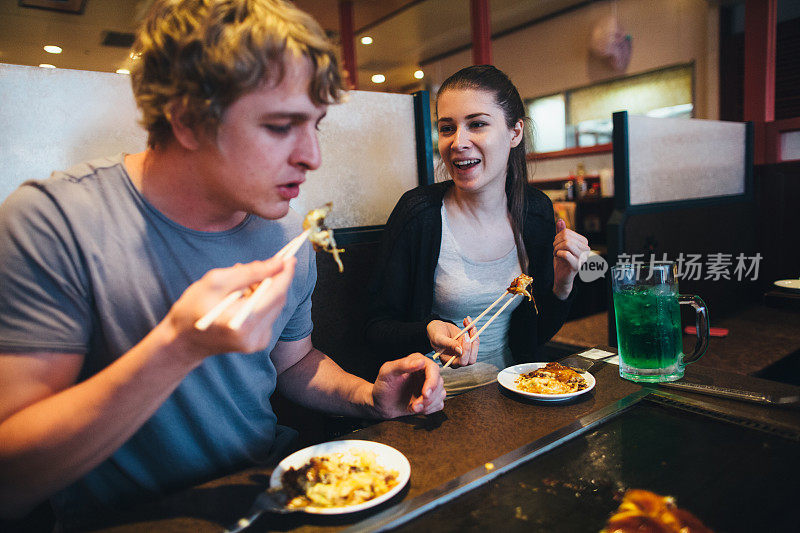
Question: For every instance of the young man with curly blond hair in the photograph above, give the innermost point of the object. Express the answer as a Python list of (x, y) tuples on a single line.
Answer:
[(108, 393)]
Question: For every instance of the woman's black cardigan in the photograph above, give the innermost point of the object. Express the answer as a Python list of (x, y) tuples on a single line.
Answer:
[(401, 287)]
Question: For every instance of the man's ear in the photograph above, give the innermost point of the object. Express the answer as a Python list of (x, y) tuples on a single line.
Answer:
[(182, 130), (518, 130)]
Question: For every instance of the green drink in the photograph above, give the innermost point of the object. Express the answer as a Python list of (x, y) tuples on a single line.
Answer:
[(648, 318), (649, 333)]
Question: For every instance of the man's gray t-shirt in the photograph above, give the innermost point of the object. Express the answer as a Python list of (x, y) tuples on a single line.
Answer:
[(88, 266)]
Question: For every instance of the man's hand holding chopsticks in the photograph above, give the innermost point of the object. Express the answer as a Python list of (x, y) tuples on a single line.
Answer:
[(255, 333), (445, 339)]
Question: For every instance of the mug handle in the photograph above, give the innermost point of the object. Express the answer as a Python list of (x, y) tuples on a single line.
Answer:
[(701, 322)]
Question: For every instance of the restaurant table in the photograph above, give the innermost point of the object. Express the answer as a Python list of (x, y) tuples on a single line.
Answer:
[(573, 458), (758, 336), (783, 299)]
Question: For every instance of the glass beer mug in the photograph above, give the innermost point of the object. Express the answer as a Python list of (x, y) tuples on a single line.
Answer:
[(647, 308)]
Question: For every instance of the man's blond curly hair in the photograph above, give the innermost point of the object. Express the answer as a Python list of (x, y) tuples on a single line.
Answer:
[(204, 54)]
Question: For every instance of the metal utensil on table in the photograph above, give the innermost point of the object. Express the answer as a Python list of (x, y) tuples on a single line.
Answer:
[(586, 365), (735, 394), (268, 501)]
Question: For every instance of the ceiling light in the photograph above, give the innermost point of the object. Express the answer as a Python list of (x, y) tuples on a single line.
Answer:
[(366, 40), (378, 78), (52, 49), (123, 71), (419, 74), (46, 65)]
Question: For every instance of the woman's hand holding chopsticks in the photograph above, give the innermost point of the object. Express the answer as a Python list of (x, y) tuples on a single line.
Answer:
[(450, 343), (519, 285)]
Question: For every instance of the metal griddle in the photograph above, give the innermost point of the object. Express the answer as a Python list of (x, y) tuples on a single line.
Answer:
[(732, 473)]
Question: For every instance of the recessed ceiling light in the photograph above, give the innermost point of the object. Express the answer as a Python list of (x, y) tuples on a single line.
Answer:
[(46, 65), (123, 71), (378, 78), (366, 40), (52, 49), (419, 74)]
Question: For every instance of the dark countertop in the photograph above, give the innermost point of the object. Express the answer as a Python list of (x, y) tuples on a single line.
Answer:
[(758, 336), (474, 428)]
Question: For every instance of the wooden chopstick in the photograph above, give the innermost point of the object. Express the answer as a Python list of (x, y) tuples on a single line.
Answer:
[(473, 322), (485, 325), (217, 310), (250, 304), (289, 250)]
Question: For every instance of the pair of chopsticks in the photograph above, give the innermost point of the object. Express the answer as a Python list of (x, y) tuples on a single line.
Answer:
[(238, 319), (475, 320)]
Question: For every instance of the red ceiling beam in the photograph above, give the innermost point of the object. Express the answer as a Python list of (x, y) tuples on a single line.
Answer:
[(760, 37), (348, 39), (481, 32)]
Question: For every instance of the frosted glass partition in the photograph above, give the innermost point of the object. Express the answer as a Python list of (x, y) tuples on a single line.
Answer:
[(369, 159), (54, 118), (674, 159), (790, 146), (51, 119)]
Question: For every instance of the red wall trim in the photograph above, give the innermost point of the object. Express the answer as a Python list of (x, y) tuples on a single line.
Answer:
[(569, 152), (347, 33), (481, 32), (760, 38), (787, 124)]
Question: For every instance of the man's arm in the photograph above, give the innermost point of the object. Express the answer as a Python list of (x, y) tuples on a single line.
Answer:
[(53, 431), (411, 385)]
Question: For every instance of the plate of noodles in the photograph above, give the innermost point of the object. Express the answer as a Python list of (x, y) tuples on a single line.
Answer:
[(546, 381), (788, 284), (339, 477)]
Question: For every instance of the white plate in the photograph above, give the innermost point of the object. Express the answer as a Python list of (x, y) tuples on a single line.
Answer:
[(791, 284), (507, 378), (385, 456)]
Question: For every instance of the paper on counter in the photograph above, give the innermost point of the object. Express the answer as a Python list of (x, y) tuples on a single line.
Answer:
[(597, 353)]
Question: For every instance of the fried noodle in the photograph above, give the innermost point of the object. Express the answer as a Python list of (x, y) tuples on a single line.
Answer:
[(554, 378), (337, 480)]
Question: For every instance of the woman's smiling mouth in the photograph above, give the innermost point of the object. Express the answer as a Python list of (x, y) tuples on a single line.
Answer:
[(466, 163)]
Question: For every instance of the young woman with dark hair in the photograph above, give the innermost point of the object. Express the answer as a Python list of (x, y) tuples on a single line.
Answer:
[(450, 249)]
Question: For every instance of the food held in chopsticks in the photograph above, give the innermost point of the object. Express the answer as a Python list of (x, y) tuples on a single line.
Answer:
[(642, 510), (315, 231), (520, 286), (322, 237), (553, 378), (337, 480)]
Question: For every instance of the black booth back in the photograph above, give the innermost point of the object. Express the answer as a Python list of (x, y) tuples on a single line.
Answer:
[(705, 231), (339, 309)]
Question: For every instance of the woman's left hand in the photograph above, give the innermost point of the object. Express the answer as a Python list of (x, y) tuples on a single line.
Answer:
[(569, 250)]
